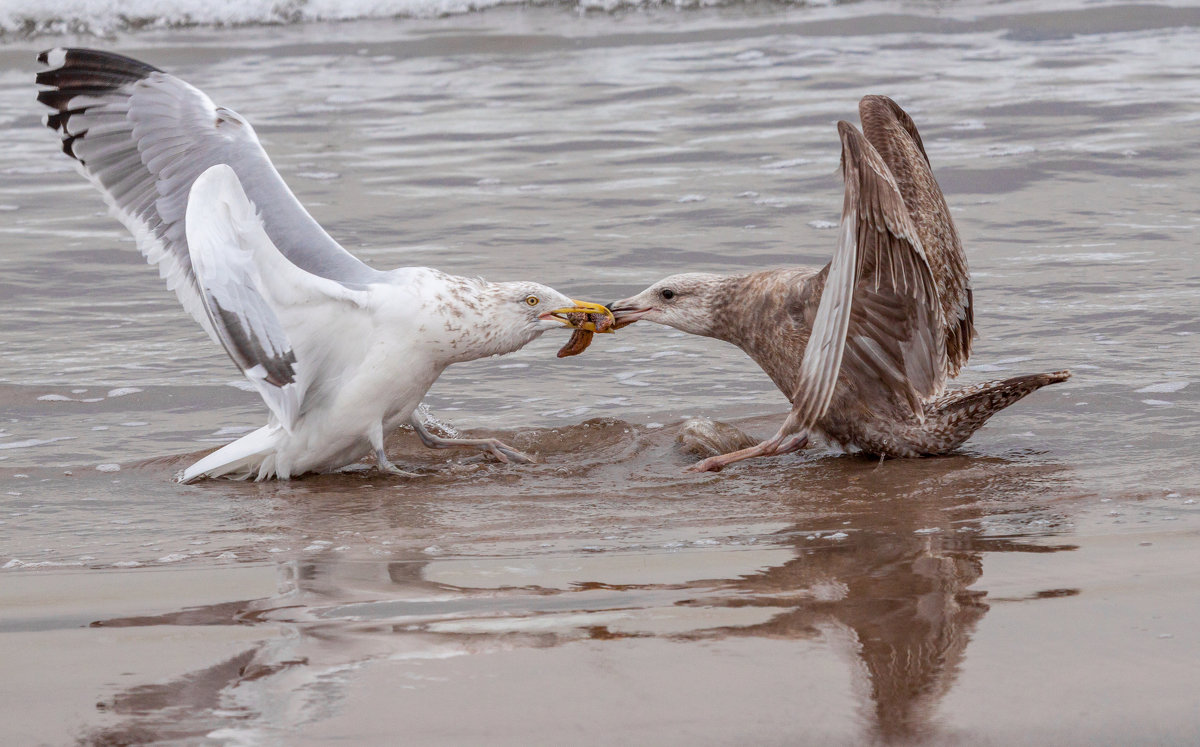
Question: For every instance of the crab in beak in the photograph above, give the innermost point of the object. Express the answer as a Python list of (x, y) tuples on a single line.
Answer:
[(583, 315)]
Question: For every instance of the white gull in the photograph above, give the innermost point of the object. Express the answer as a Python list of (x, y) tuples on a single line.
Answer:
[(341, 353)]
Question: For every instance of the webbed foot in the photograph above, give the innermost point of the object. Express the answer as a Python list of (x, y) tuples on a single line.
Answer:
[(498, 449), (384, 465), (493, 446)]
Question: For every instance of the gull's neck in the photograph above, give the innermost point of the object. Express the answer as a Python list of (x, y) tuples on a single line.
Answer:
[(768, 315), (471, 321), (736, 307)]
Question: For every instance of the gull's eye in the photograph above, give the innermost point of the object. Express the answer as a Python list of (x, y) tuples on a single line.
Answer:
[(667, 294), (531, 300)]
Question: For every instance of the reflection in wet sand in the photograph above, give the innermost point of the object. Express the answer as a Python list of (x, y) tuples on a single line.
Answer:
[(906, 600), (174, 710), (891, 574)]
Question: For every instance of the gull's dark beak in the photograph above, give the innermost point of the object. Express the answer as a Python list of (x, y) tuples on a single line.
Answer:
[(625, 313), (588, 323)]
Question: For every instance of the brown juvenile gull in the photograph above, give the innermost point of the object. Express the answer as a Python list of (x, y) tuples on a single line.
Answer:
[(890, 318), (341, 353)]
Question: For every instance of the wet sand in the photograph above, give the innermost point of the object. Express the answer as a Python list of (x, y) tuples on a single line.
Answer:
[(954, 600), (1038, 586)]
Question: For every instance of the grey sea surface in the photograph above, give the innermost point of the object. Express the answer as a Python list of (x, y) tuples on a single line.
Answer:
[(1038, 586)]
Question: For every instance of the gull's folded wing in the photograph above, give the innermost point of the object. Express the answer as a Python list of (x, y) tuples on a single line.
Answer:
[(142, 137), (876, 333)]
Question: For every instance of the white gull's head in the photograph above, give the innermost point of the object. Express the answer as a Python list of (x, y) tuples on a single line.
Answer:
[(482, 318)]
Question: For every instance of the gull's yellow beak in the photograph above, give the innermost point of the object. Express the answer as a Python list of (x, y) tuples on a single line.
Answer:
[(588, 308)]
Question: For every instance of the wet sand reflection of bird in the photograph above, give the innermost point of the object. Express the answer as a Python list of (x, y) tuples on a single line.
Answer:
[(889, 319), (899, 604)]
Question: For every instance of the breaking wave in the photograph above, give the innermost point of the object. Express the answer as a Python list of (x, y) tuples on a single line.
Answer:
[(30, 18)]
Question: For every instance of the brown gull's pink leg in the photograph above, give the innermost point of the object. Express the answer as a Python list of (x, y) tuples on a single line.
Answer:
[(777, 445)]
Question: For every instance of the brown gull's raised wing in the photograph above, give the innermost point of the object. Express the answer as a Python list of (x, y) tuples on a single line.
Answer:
[(894, 135), (876, 338)]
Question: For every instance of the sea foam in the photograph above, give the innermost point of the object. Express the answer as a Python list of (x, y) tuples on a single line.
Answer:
[(39, 17), (52, 17)]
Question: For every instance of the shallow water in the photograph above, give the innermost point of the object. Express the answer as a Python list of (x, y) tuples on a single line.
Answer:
[(1040, 582)]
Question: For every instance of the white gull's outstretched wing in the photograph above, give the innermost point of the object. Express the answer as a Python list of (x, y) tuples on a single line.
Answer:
[(252, 295), (143, 136)]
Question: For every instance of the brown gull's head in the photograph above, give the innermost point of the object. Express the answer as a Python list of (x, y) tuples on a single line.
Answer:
[(685, 302)]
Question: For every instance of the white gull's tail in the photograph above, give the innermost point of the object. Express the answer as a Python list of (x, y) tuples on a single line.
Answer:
[(251, 456)]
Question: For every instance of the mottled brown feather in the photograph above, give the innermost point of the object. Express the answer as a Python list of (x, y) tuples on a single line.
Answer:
[(894, 135), (894, 350)]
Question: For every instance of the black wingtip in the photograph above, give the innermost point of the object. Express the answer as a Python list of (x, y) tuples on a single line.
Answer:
[(83, 72), (55, 98), (95, 61)]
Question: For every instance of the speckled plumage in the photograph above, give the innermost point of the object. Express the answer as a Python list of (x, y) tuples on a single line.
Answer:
[(864, 346)]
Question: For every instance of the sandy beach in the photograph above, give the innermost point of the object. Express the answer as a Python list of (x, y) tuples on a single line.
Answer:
[(1038, 586)]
